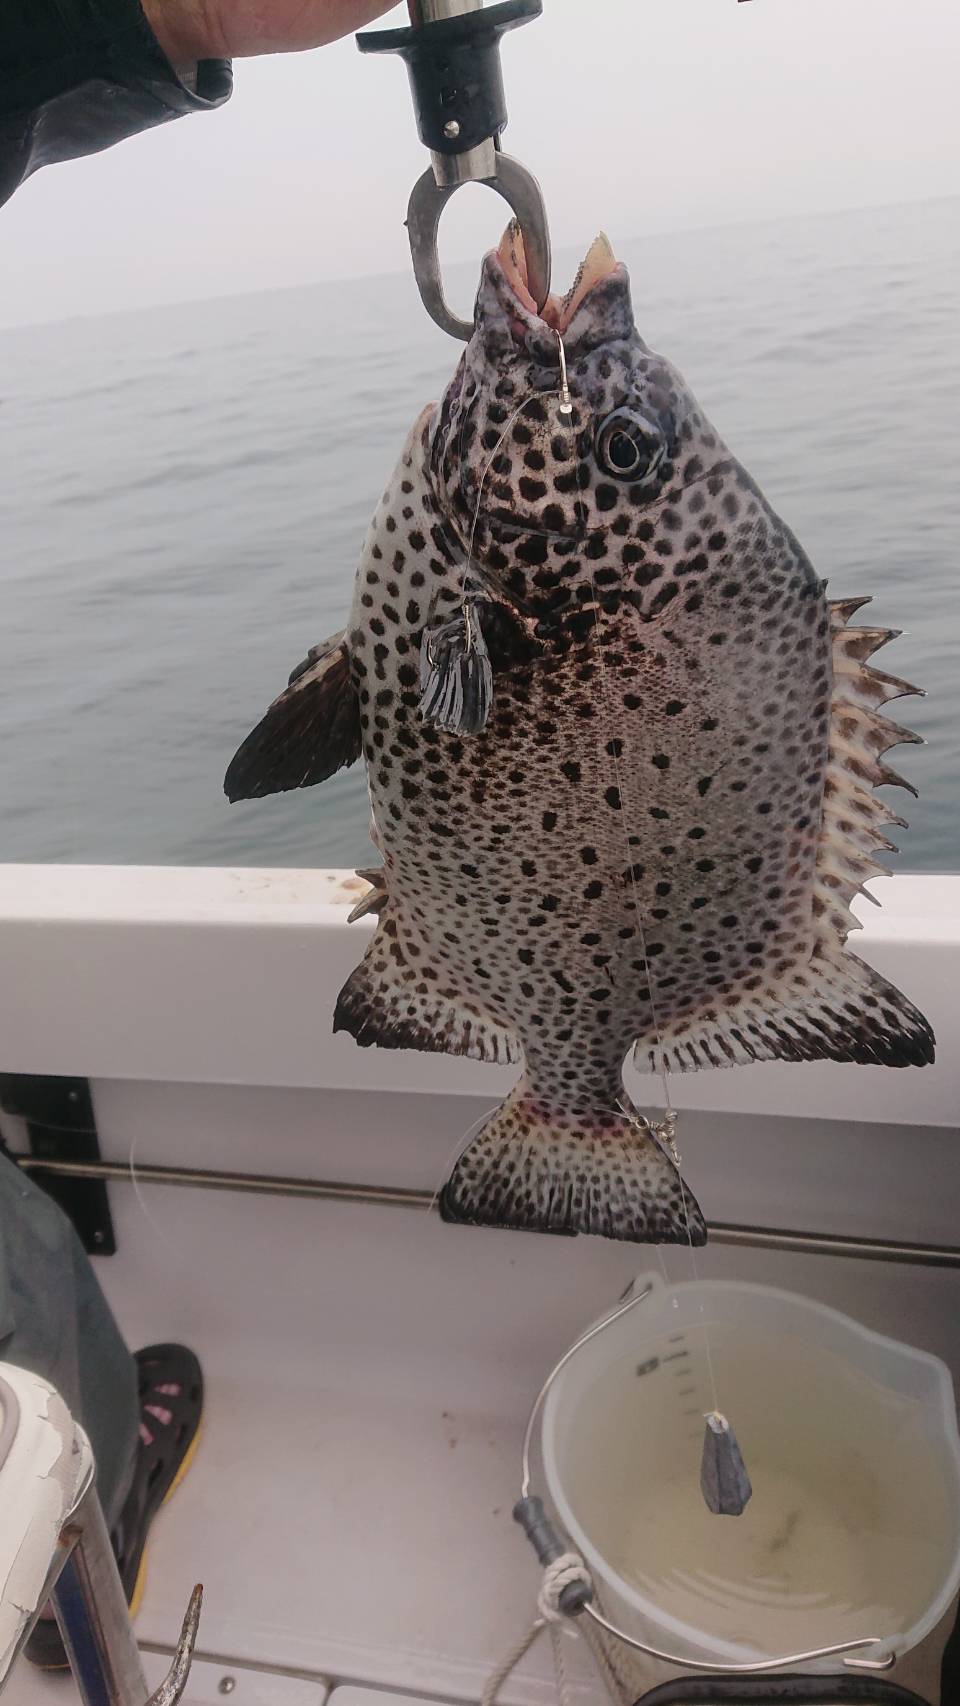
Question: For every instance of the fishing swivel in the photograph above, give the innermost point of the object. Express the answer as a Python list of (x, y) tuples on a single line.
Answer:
[(452, 55)]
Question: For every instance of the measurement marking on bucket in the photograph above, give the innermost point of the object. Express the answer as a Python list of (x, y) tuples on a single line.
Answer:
[(676, 1356)]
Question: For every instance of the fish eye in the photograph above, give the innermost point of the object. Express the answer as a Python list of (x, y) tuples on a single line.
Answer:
[(629, 447)]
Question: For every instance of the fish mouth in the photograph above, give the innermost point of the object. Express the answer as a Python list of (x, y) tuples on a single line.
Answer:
[(599, 263)]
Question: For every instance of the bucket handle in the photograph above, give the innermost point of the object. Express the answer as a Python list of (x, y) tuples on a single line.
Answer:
[(631, 1297)]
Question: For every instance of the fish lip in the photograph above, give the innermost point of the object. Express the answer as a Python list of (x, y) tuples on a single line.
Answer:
[(508, 263)]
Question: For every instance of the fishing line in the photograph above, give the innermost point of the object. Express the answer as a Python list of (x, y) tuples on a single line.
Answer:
[(560, 392), (163, 1237), (565, 409), (669, 1119), (667, 1128), (722, 1466), (460, 1146), (456, 674)]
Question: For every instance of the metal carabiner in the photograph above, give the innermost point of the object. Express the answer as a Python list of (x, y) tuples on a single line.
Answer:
[(452, 54)]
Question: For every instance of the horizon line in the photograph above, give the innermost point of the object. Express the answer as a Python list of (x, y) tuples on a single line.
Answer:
[(85, 315)]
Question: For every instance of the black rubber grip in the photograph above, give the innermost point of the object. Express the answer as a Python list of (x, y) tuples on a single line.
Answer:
[(549, 1546)]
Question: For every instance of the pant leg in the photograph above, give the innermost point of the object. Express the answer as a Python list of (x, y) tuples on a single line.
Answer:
[(55, 1321)]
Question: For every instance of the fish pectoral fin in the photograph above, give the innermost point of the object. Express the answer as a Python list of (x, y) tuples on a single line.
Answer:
[(546, 1170), (395, 999), (309, 732)]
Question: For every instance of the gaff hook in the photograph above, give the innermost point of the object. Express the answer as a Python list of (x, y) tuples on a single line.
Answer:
[(452, 54)]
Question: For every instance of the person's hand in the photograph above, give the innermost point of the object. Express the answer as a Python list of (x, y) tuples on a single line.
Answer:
[(189, 30)]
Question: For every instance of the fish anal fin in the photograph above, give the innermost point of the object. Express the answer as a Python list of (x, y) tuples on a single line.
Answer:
[(395, 999), (310, 731), (832, 1007), (543, 1169)]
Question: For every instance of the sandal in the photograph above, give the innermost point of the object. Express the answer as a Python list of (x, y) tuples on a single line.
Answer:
[(170, 1390)]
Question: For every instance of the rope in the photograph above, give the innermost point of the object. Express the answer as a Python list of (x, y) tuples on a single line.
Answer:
[(569, 1567), (509, 1663)]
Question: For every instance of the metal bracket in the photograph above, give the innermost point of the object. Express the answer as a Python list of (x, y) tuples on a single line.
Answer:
[(61, 1126)]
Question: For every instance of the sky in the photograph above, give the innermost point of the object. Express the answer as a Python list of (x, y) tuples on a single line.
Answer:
[(638, 116)]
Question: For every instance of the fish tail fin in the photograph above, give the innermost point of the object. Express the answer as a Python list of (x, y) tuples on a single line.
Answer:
[(835, 1007), (540, 1169)]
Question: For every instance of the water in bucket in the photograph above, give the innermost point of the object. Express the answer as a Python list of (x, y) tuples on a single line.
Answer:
[(851, 1446)]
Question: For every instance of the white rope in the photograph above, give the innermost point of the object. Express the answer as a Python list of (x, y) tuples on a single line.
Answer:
[(509, 1662), (559, 1665), (569, 1567)]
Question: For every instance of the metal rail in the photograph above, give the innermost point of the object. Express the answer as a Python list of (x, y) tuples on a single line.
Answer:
[(398, 1196)]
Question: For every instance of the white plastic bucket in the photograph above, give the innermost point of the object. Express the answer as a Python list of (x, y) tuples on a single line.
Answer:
[(851, 1443)]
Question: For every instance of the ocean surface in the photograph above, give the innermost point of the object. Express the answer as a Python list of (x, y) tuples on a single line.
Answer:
[(183, 493)]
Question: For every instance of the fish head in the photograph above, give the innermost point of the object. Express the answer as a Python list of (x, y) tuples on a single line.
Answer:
[(527, 474)]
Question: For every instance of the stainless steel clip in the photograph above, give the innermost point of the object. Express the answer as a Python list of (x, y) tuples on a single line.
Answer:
[(452, 54)]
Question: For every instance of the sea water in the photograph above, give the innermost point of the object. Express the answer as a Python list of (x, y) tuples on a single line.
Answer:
[(184, 493)]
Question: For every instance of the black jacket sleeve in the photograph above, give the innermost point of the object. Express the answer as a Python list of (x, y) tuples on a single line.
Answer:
[(78, 75)]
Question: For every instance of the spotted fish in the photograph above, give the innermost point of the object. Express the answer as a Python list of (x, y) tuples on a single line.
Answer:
[(650, 828)]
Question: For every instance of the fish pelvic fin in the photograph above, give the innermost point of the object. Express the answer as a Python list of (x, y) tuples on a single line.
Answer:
[(540, 1169), (831, 1007), (395, 999), (310, 731)]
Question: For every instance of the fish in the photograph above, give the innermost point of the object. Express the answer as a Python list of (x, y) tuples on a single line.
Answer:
[(635, 816)]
